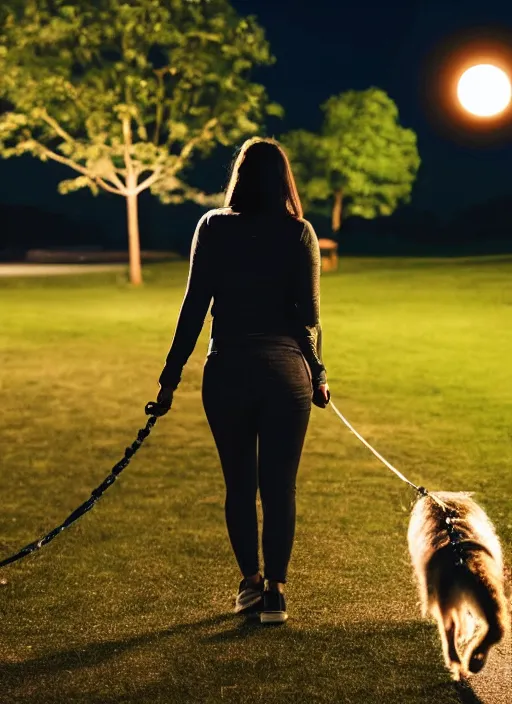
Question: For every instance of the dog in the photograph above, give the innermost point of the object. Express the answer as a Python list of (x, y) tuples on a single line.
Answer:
[(461, 580)]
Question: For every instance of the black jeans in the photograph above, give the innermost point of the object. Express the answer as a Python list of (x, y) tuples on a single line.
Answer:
[(259, 393)]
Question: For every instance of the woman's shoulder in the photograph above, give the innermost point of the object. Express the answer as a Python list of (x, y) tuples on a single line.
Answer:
[(218, 212), (304, 221), (211, 216), (307, 229), (299, 226)]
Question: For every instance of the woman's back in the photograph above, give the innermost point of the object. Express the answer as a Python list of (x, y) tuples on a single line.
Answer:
[(254, 264), (263, 271)]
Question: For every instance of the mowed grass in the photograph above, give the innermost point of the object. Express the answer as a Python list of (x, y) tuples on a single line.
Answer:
[(133, 603)]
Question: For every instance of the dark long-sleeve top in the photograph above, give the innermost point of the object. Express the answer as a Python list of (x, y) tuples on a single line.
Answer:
[(263, 272)]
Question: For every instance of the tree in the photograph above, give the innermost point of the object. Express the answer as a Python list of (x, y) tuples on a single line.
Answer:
[(363, 161), (128, 93)]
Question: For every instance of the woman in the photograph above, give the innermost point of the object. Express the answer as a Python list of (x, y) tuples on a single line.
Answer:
[(259, 260)]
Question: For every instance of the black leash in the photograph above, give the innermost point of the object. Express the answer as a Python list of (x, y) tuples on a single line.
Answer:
[(152, 409)]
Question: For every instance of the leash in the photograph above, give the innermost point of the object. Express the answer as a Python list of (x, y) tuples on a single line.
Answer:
[(420, 489), (453, 535), (153, 410)]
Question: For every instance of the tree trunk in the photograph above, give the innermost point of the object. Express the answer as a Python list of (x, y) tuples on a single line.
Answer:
[(133, 239), (337, 210)]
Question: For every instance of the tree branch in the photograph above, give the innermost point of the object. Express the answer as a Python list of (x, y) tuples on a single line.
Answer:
[(77, 167), (131, 176), (141, 125), (149, 181), (115, 179), (193, 142), (58, 129), (70, 140), (160, 106), (107, 187)]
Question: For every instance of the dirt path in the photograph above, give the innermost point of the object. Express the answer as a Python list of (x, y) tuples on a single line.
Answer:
[(55, 269)]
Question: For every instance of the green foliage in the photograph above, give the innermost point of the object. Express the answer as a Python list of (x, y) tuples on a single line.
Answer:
[(127, 94), (310, 165), (362, 150)]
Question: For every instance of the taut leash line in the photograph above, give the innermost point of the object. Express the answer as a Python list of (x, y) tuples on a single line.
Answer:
[(152, 409), (420, 489), (450, 515)]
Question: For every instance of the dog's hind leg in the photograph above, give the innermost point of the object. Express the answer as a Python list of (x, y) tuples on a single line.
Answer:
[(492, 613), (492, 632), (447, 622)]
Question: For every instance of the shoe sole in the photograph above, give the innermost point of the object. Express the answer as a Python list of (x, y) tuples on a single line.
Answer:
[(273, 616)]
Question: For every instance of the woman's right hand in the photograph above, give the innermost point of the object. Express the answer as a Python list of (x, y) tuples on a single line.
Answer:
[(163, 402), (321, 396)]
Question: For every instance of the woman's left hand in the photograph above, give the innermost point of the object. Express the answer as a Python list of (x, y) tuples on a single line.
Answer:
[(322, 396)]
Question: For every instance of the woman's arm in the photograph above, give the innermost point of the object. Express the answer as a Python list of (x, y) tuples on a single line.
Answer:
[(307, 298), (196, 302)]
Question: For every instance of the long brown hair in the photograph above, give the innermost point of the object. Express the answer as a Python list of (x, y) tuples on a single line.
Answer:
[(262, 179)]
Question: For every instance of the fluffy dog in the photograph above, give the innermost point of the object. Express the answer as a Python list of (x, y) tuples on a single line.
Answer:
[(461, 580)]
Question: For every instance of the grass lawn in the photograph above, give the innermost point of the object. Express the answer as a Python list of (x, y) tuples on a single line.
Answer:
[(133, 603)]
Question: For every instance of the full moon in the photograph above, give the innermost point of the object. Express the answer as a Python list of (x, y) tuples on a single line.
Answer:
[(484, 90)]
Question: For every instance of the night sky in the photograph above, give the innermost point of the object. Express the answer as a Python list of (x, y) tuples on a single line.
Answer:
[(324, 48)]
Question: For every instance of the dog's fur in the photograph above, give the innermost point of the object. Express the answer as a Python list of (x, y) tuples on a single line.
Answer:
[(460, 596)]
